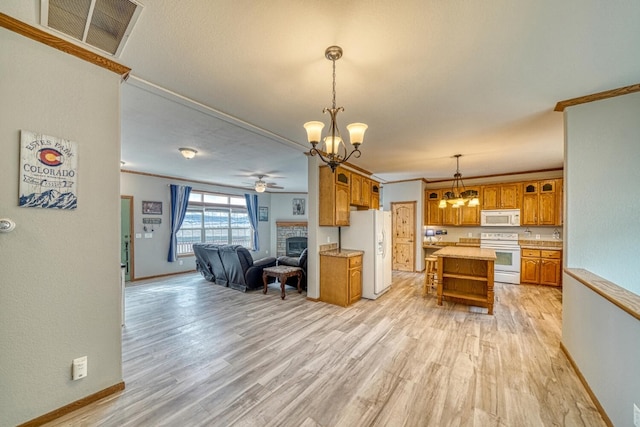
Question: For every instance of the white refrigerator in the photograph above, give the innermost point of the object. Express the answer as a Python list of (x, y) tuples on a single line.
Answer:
[(370, 231)]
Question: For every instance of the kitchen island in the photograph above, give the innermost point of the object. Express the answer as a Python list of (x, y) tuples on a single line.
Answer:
[(465, 275)]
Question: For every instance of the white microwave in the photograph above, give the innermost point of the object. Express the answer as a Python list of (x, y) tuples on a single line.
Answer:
[(500, 218)]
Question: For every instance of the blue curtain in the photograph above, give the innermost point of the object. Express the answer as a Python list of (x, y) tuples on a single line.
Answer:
[(252, 209), (179, 203)]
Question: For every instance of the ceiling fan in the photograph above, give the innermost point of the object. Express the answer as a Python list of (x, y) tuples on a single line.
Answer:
[(260, 185)]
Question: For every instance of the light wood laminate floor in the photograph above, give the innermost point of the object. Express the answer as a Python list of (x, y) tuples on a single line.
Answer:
[(198, 354)]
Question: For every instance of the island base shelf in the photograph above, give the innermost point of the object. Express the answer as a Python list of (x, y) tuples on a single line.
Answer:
[(465, 275)]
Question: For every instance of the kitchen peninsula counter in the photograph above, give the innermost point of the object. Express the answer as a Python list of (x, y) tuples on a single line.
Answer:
[(465, 275)]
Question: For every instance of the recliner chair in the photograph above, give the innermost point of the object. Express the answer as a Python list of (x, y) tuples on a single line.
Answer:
[(301, 262)]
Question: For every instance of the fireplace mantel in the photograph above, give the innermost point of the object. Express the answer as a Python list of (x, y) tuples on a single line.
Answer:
[(291, 223)]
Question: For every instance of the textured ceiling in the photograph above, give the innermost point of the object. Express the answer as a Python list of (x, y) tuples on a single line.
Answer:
[(430, 78)]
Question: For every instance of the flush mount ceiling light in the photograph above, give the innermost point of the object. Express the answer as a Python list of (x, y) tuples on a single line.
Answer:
[(334, 147), (459, 196), (187, 153)]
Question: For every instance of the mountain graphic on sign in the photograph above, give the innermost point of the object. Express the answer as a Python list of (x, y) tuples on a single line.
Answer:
[(50, 199)]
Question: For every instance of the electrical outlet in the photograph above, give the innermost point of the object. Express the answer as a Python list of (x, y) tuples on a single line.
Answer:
[(180, 262), (636, 415), (537, 237), (79, 369)]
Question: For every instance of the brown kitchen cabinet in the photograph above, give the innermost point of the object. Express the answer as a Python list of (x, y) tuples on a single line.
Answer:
[(541, 267), (501, 196), (542, 202), (341, 277), (432, 212), (464, 215), (375, 195), (360, 191), (356, 189), (334, 197)]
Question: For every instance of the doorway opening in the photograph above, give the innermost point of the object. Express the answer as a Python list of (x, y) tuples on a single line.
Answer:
[(126, 240)]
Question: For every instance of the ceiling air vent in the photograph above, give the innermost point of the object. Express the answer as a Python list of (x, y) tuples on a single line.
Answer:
[(102, 24)]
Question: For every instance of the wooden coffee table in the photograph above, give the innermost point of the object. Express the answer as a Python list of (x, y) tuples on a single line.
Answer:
[(282, 273)]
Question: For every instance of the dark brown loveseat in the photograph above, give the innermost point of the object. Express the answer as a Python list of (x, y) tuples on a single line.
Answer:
[(231, 265)]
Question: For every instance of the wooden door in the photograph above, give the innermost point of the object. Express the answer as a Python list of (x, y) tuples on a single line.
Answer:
[(375, 195), (433, 213), (547, 206), (450, 215), (491, 197), (356, 189), (403, 217), (510, 196), (355, 284), (470, 215), (529, 214), (530, 270), (550, 272), (366, 192)]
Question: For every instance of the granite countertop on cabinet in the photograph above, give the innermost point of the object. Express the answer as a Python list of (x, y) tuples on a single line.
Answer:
[(466, 252), (437, 245), (342, 253), (547, 245)]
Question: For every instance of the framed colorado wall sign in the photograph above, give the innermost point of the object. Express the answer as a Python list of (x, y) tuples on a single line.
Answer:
[(48, 171)]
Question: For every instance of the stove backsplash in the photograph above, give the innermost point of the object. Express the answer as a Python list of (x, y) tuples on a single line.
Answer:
[(454, 234)]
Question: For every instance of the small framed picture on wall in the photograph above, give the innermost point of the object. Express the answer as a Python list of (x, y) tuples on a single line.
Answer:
[(298, 206), (263, 213), (151, 208)]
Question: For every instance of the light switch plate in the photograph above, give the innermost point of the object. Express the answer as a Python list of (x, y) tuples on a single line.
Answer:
[(79, 368)]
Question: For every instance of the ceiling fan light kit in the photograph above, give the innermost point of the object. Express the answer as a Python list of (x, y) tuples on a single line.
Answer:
[(260, 185), (188, 153), (334, 148), (459, 195)]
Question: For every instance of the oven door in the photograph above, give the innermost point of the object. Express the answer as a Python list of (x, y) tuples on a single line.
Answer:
[(507, 259), (507, 264)]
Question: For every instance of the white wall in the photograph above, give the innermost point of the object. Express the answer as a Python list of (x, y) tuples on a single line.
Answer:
[(408, 191), (602, 181), (59, 292), (602, 228), (150, 254)]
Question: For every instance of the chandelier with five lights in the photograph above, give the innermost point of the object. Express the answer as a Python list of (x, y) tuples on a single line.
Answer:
[(335, 151), (459, 195)]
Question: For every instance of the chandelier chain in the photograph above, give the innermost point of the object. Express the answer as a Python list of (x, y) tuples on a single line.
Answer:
[(334, 84)]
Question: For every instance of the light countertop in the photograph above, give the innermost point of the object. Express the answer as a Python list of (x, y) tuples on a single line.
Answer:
[(342, 253), (466, 252)]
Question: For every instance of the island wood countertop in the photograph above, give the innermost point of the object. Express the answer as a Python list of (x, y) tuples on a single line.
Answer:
[(466, 252)]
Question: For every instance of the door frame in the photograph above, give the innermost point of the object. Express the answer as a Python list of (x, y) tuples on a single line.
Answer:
[(413, 229), (131, 236)]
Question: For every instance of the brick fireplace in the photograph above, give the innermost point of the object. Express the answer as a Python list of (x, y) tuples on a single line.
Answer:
[(286, 229)]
